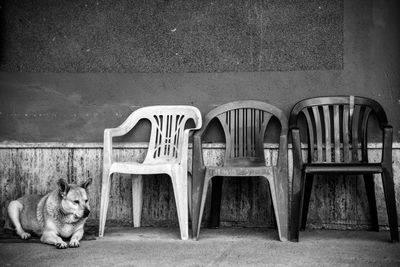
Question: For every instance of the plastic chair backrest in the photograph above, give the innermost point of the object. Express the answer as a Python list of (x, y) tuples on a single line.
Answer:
[(341, 121), (169, 138), (244, 124)]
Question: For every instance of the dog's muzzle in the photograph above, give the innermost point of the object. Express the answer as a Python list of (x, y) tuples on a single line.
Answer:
[(86, 213)]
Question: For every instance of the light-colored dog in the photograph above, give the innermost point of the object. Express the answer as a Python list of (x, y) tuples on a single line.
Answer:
[(60, 213)]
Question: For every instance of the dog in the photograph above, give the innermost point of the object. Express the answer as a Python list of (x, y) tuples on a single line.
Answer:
[(59, 214)]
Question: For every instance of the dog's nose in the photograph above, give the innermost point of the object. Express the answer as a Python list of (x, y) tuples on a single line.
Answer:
[(86, 213)]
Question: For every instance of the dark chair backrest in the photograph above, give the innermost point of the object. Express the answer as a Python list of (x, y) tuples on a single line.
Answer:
[(244, 124), (337, 127)]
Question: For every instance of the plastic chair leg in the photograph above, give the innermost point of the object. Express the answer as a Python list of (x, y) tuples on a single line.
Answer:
[(280, 208), (370, 189), (306, 202), (216, 195), (297, 199), (388, 187), (105, 195), (202, 203), (190, 186), (137, 199), (179, 183), (196, 196)]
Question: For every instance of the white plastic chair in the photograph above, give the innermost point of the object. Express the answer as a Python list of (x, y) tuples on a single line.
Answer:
[(167, 154)]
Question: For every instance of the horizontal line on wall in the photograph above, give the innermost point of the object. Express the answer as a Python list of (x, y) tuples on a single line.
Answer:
[(138, 145)]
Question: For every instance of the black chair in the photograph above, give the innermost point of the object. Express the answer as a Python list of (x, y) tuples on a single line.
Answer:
[(337, 133)]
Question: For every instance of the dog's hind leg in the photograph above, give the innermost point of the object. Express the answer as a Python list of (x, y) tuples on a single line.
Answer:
[(14, 210)]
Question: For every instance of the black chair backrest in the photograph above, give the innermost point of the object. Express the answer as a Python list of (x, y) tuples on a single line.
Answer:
[(337, 127)]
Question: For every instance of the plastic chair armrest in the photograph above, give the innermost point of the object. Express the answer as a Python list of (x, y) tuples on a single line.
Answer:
[(197, 155), (296, 148)]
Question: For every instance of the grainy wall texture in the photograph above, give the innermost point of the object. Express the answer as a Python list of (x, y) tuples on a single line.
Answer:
[(171, 36), (336, 202)]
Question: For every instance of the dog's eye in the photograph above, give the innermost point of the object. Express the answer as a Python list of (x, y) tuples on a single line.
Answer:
[(76, 201), (86, 201)]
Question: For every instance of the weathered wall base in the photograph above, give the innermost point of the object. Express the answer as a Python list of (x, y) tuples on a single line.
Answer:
[(34, 168)]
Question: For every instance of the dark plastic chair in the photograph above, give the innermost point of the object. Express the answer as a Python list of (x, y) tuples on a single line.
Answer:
[(337, 144), (244, 124)]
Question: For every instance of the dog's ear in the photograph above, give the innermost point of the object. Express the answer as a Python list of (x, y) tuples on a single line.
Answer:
[(86, 183), (64, 187)]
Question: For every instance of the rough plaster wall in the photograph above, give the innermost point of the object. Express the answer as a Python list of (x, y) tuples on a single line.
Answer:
[(171, 36)]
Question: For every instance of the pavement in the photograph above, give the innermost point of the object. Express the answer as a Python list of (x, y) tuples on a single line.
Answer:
[(148, 246)]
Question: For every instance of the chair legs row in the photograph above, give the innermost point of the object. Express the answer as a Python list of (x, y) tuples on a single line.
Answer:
[(301, 192), (279, 201), (180, 187)]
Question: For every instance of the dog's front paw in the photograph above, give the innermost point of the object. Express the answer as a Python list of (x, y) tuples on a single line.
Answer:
[(25, 235), (74, 243), (61, 245)]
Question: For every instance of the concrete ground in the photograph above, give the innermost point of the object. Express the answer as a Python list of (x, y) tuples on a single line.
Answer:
[(217, 247)]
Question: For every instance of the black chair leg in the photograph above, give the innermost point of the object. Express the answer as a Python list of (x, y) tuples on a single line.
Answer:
[(370, 188), (215, 202), (297, 198), (306, 201), (388, 187)]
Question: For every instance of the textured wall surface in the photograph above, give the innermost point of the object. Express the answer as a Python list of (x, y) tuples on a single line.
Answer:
[(336, 203), (171, 36)]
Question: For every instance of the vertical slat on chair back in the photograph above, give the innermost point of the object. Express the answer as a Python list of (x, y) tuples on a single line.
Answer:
[(337, 127), (244, 134), (167, 131)]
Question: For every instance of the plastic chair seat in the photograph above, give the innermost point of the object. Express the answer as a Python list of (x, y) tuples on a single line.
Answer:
[(141, 168), (239, 171), (342, 168)]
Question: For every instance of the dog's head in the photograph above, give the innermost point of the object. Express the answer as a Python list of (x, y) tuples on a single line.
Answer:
[(74, 199)]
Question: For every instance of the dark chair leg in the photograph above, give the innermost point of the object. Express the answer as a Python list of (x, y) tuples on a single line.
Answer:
[(370, 188), (306, 202), (388, 187), (297, 198), (215, 202)]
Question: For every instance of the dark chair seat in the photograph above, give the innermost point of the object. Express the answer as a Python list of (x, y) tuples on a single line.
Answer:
[(343, 168), (239, 171)]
